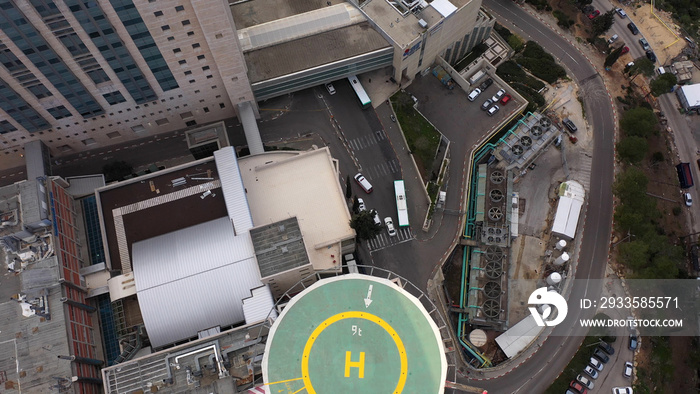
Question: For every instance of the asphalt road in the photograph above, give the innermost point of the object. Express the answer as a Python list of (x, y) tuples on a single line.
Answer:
[(535, 375)]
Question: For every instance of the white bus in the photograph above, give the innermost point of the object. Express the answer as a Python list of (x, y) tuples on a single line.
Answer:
[(360, 92), (401, 206)]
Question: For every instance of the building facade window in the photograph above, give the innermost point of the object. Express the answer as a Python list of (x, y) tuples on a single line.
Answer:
[(15, 106), (59, 112), (114, 98)]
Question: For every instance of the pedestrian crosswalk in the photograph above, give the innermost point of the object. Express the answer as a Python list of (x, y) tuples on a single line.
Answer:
[(367, 140), (382, 169), (383, 240)]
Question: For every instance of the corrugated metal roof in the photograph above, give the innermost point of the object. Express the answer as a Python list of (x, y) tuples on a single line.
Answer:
[(232, 187), (193, 279), (258, 307)]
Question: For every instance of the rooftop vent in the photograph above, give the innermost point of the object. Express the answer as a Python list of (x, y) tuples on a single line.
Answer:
[(422, 23)]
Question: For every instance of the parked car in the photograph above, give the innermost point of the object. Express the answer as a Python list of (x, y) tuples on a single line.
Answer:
[(485, 85), (474, 94), (393, 118), (585, 381), (634, 343), (389, 226), (569, 125), (628, 370), (613, 38), (622, 390), (498, 95), (590, 371), (651, 56), (492, 111), (330, 88), (644, 43), (486, 104), (375, 216), (688, 199), (625, 50), (361, 205), (621, 12), (601, 356), (595, 363), (505, 99), (577, 387), (633, 28), (606, 348), (593, 14)]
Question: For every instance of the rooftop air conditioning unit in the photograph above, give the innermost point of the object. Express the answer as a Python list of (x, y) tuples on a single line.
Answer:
[(422, 23)]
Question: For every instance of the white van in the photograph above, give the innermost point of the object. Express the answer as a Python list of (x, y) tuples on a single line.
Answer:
[(661, 71), (363, 182)]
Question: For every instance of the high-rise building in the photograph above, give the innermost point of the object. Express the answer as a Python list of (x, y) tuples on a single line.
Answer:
[(81, 74)]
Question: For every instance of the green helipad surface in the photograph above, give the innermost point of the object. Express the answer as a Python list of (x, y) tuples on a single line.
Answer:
[(354, 334)]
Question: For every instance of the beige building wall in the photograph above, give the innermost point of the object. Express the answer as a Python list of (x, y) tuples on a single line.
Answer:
[(436, 39), (202, 97)]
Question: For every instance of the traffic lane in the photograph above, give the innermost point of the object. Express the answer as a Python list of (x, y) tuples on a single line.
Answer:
[(525, 25), (687, 151)]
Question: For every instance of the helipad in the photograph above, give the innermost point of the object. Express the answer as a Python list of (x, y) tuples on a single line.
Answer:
[(354, 334)]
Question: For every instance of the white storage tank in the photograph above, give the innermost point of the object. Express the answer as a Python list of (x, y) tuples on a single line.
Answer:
[(478, 337), (554, 278), (562, 259), (561, 245)]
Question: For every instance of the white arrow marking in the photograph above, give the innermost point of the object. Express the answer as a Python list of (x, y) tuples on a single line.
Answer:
[(368, 300)]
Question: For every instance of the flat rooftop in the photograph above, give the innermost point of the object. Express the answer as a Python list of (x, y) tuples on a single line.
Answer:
[(144, 206), (284, 184), (402, 28), (279, 247), (167, 371), (30, 345), (251, 13), (313, 51), (389, 343)]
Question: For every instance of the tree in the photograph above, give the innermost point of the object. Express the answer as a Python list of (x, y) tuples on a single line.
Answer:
[(364, 225), (613, 56), (348, 187), (663, 84), (632, 149), (355, 205), (116, 170), (515, 42), (642, 66), (603, 23), (639, 121)]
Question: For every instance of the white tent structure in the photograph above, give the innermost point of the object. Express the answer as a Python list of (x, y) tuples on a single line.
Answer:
[(571, 199)]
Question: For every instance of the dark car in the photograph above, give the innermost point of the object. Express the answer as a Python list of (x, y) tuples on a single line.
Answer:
[(569, 125), (601, 356), (634, 342), (633, 28), (651, 56), (484, 85), (606, 348)]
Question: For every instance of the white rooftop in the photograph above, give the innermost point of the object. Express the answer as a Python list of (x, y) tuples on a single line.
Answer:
[(692, 94), (286, 184)]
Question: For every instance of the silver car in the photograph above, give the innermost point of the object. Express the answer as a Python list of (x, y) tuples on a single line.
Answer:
[(389, 226), (585, 381), (590, 371), (628, 370)]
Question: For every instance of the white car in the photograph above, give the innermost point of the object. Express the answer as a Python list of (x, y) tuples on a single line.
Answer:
[(498, 95), (389, 226), (595, 363), (361, 205), (493, 110), (375, 216), (622, 390), (621, 12), (474, 94), (628, 370), (590, 371), (585, 381), (688, 199), (331, 89)]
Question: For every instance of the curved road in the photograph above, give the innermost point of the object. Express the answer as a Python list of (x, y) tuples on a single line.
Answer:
[(535, 375)]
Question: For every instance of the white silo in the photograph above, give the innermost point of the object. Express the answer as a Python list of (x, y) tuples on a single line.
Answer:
[(561, 245), (554, 278), (562, 259)]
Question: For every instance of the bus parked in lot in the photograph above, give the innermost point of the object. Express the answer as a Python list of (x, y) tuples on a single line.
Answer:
[(362, 96)]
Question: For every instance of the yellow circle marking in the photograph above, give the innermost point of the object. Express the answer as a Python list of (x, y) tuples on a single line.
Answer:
[(348, 315)]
